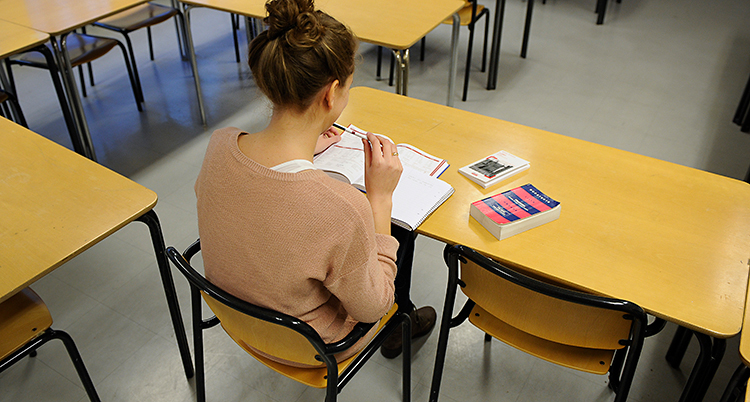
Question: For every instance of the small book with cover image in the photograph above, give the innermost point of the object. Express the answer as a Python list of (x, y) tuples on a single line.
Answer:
[(514, 211), (494, 168)]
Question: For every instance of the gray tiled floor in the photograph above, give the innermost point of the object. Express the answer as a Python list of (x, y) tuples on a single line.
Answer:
[(660, 78)]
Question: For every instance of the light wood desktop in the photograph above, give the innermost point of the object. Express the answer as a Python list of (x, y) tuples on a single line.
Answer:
[(60, 17), (670, 238), (15, 38), (393, 24), (57, 204)]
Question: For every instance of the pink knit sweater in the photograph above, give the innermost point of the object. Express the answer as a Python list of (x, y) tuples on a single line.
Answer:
[(300, 243)]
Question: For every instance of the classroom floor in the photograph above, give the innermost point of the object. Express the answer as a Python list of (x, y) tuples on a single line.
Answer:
[(660, 78)]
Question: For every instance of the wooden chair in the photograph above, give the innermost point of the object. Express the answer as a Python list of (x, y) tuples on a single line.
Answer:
[(25, 326), (259, 329), (142, 16), (83, 49), (577, 330)]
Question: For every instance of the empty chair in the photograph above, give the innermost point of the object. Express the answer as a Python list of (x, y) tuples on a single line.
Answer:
[(262, 332), (142, 16), (82, 49), (576, 330), (25, 326)]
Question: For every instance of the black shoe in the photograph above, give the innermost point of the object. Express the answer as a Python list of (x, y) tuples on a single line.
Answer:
[(422, 321)]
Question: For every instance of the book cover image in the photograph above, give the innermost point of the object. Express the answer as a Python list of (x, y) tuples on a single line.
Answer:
[(514, 211)]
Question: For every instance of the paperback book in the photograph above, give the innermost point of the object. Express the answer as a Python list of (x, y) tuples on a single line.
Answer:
[(419, 191), (494, 168), (514, 211)]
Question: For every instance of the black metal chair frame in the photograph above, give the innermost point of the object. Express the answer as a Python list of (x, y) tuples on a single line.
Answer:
[(29, 349), (133, 82), (126, 32), (742, 115), (625, 360), (326, 352)]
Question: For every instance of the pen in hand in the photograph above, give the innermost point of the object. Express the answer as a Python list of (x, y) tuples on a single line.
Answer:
[(350, 131)]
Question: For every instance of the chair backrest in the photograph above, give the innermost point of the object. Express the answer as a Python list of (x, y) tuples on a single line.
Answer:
[(23, 317), (252, 327), (546, 311)]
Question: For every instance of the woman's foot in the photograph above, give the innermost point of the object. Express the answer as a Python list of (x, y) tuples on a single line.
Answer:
[(422, 322)]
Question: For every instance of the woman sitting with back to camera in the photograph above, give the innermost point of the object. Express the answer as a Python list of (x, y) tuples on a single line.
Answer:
[(279, 233)]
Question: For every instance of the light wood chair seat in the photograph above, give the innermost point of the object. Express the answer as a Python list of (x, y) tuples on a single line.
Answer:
[(23, 317), (596, 361), (25, 325)]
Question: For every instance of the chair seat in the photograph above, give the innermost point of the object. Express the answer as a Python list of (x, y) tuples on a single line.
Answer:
[(23, 317), (595, 361), (464, 15), (315, 376), (81, 49), (139, 17)]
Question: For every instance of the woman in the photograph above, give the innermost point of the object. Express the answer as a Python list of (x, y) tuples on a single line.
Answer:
[(274, 230)]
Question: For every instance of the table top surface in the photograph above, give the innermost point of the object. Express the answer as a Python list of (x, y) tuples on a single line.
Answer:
[(57, 17), (15, 38), (55, 205), (390, 23), (670, 238)]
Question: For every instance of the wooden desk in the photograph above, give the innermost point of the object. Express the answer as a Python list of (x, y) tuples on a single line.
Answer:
[(672, 239), (56, 204), (60, 17), (15, 39), (393, 24)]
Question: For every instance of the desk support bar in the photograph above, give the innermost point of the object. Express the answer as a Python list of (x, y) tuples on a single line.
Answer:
[(454, 60), (193, 63), (152, 221)]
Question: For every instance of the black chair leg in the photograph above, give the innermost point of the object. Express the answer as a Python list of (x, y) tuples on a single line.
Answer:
[(742, 109), (150, 44), (200, 378), (393, 65), (422, 45), (70, 346), (380, 61), (132, 72), (83, 83)]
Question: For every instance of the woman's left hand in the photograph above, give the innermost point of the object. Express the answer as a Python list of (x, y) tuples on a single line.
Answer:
[(326, 139)]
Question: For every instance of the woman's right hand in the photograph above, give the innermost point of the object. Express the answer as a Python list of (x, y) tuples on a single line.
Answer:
[(382, 172)]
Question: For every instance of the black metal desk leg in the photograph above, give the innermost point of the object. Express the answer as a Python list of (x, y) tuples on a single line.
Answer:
[(679, 345), (497, 32), (704, 369), (527, 28), (152, 221)]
